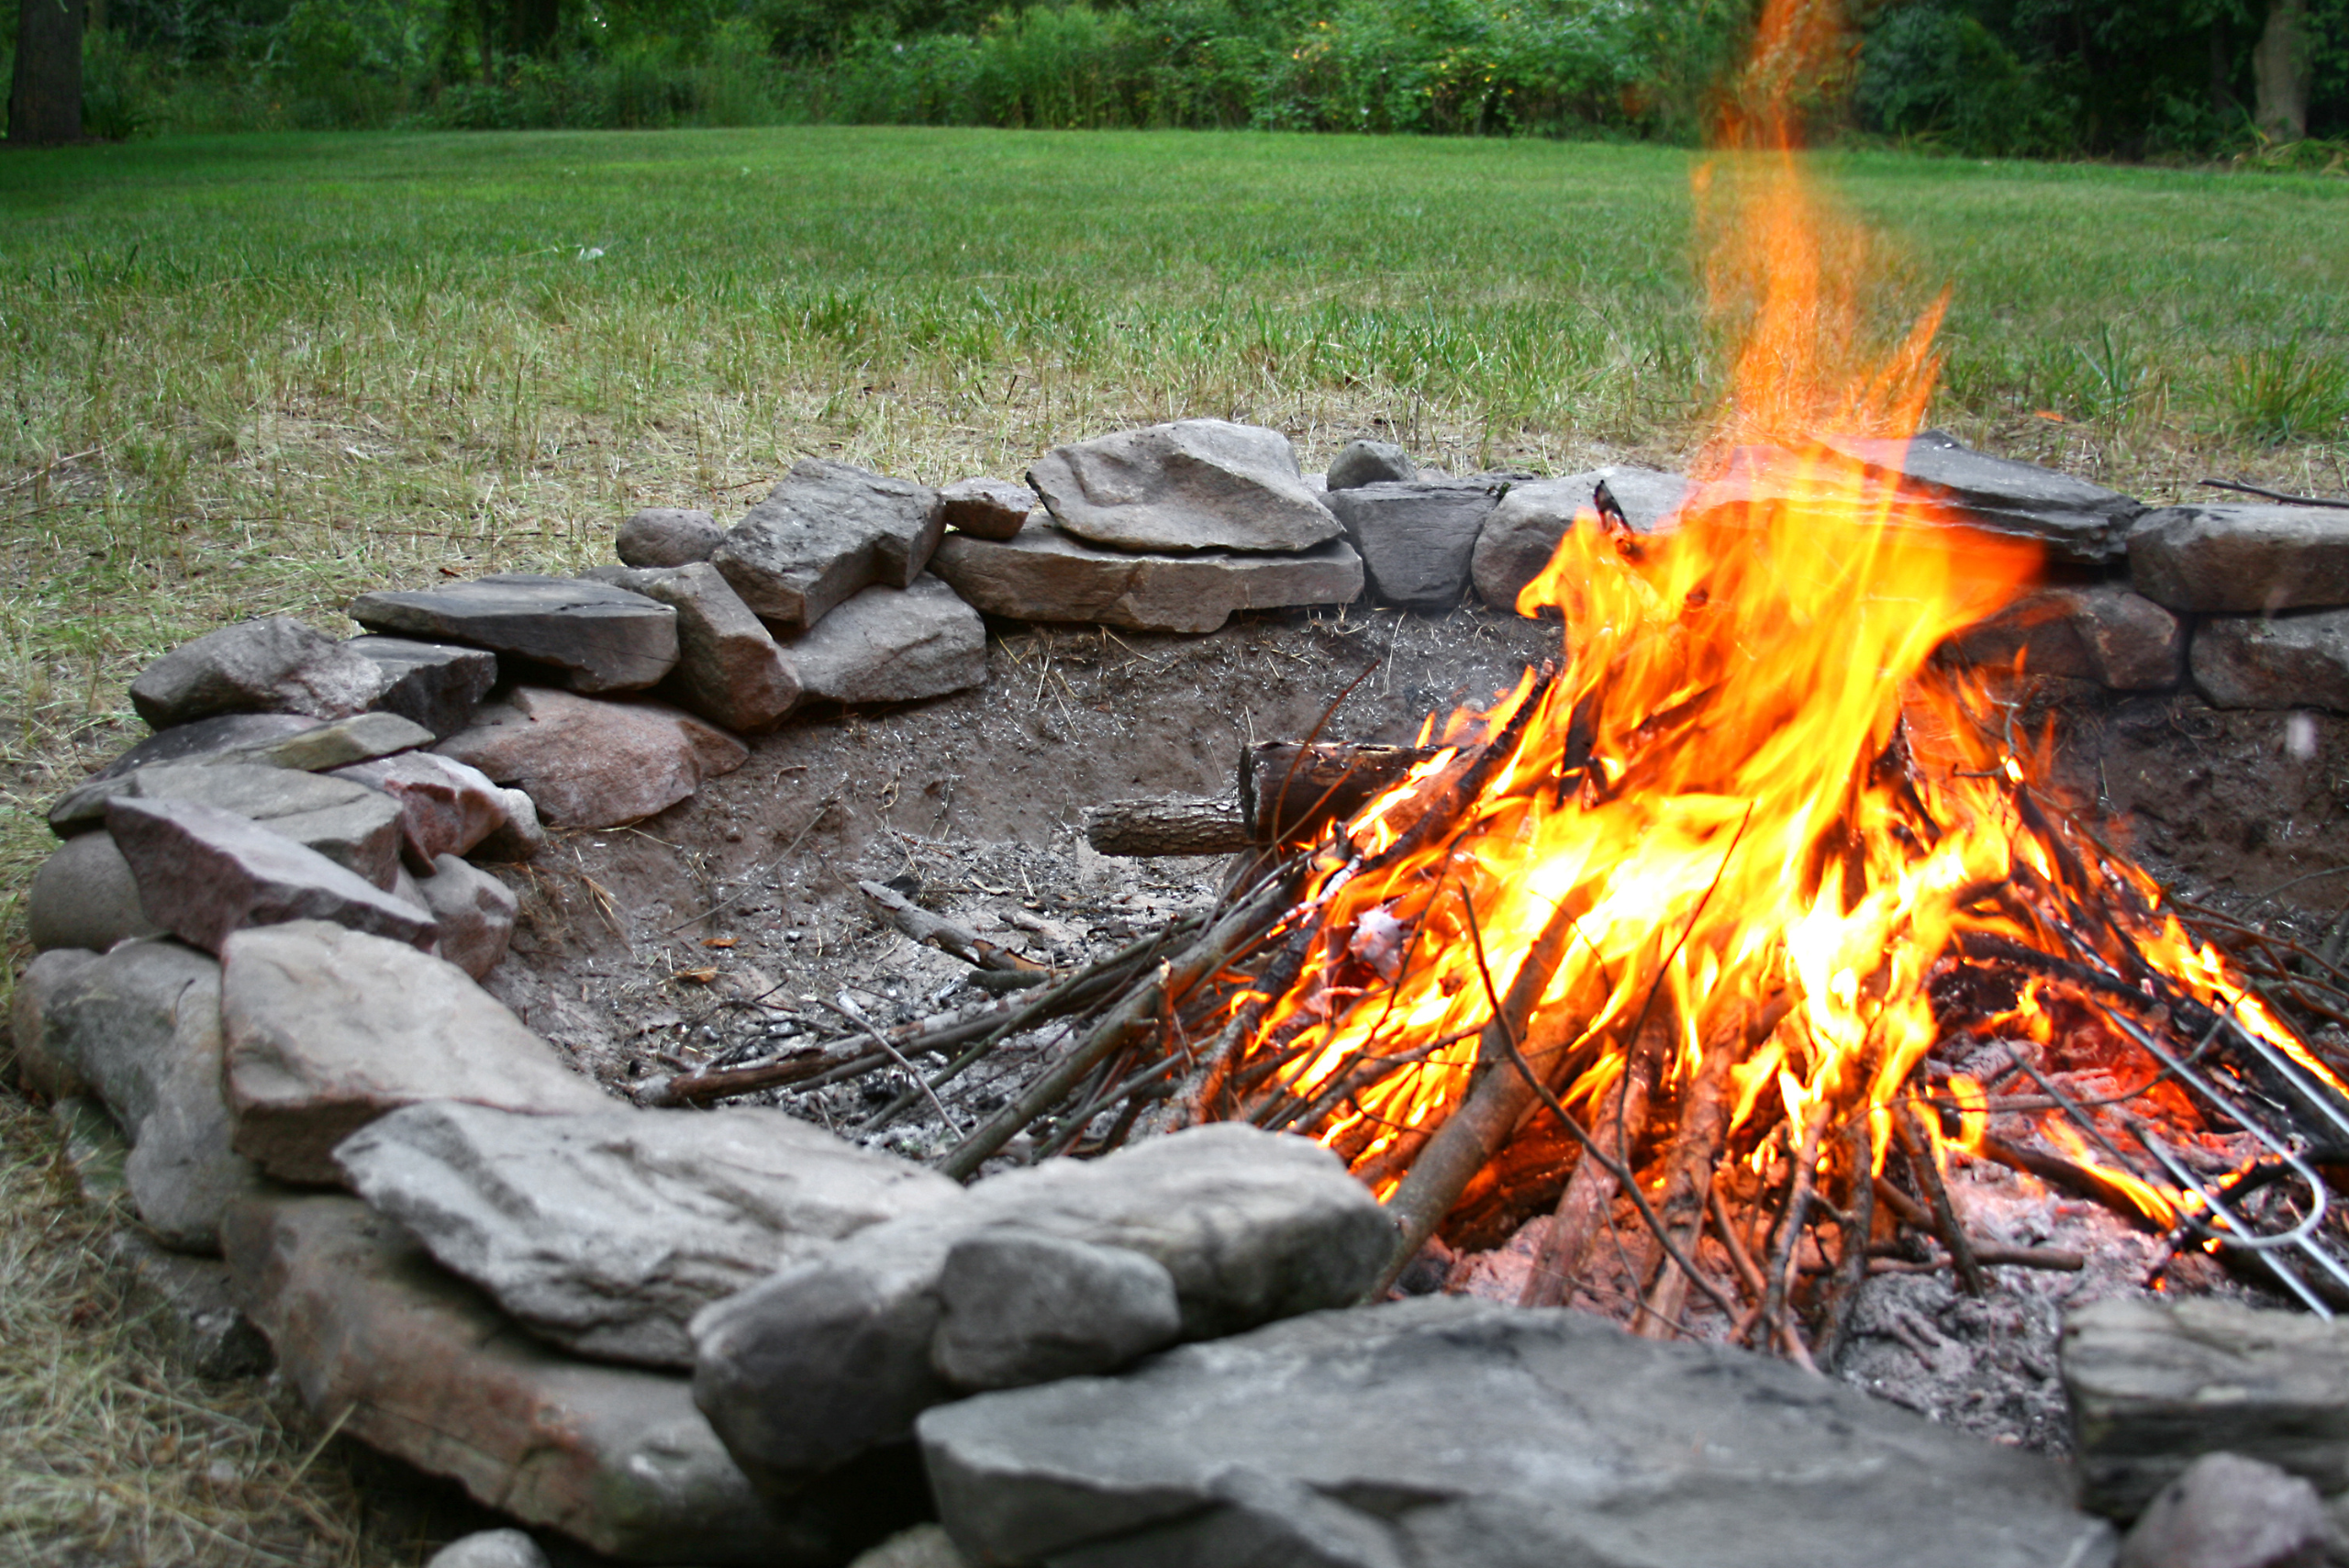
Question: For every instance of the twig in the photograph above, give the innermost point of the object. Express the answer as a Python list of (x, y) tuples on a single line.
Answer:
[(1914, 1143), (2241, 488), (861, 1021)]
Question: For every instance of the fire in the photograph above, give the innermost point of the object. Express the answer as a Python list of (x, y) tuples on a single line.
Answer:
[(1745, 816)]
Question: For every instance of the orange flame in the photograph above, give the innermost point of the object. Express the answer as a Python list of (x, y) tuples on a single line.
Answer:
[(1747, 780)]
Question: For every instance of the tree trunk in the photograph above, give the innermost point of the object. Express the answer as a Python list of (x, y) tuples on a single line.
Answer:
[(45, 99), (2281, 68)]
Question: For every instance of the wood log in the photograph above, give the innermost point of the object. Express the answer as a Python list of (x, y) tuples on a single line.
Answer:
[(1590, 1191), (1287, 791), (947, 936), (1167, 828)]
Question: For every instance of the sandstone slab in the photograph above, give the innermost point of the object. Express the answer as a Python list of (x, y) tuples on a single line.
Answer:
[(475, 911), (606, 1232), (389, 1349), (335, 744), (825, 532), (1451, 1431), (1522, 531), (2226, 1511), (205, 737), (594, 764), (889, 645), (84, 896), (139, 1029), (271, 665), (436, 685), (2155, 1385), (355, 827), (328, 1030), (2293, 661), (2099, 632), (987, 509), (600, 638), (2071, 518), (836, 1356), (729, 668), (1191, 485), (667, 536), (2242, 559), (1045, 574), (1415, 537), (445, 808), (1363, 463), (204, 873)]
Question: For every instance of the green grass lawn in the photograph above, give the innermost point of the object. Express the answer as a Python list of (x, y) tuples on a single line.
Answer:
[(254, 375)]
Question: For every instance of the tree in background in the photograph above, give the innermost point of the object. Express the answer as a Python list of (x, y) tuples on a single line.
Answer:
[(45, 88)]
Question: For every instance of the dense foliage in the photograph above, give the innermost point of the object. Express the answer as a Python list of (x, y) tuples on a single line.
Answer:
[(2127, 78)]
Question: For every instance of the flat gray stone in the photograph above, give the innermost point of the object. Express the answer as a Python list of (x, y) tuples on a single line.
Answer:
[(1521, 533), (2226, 1511), (475, 911), (1046, 575), (2294, 660), (1451, 1431), (1194, 485), (667, 536), (204, 873), (206, 737), (306, 746), (2099, 632), (84, 896), (2071, 518), (379, 1342), (987, 508), (271, 665), (888, 645), (606, 1232), (139, 1029), (445, 808), (328, 1030), (599, 638), (825, 532), (587, 764), (335, 744), (436, 685), (345, 821), (2255, 559), (1415, 537), (2153, 1385), (836, 1356), (729, 668), (1363, 463), (1023, 1306)]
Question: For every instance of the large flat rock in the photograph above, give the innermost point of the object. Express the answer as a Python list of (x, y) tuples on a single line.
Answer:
[(826, 531), (2246, 558), (436, 685), (2290, 661), (328, 1030), (1522, 531), (729, 668), (271, 665), (1452, 1433), (354, 826), (587, 764), (2073, 519), (384, 1347), (202, 873), (2097, 631), (1044, 574), (2155, 1385), (888, 645), (606, 1232), (836, 1356), (1194, 485), (139, 1029), (1415, 537), (600, 638)]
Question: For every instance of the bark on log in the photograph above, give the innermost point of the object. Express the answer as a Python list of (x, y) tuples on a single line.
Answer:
[(1287, 791)]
